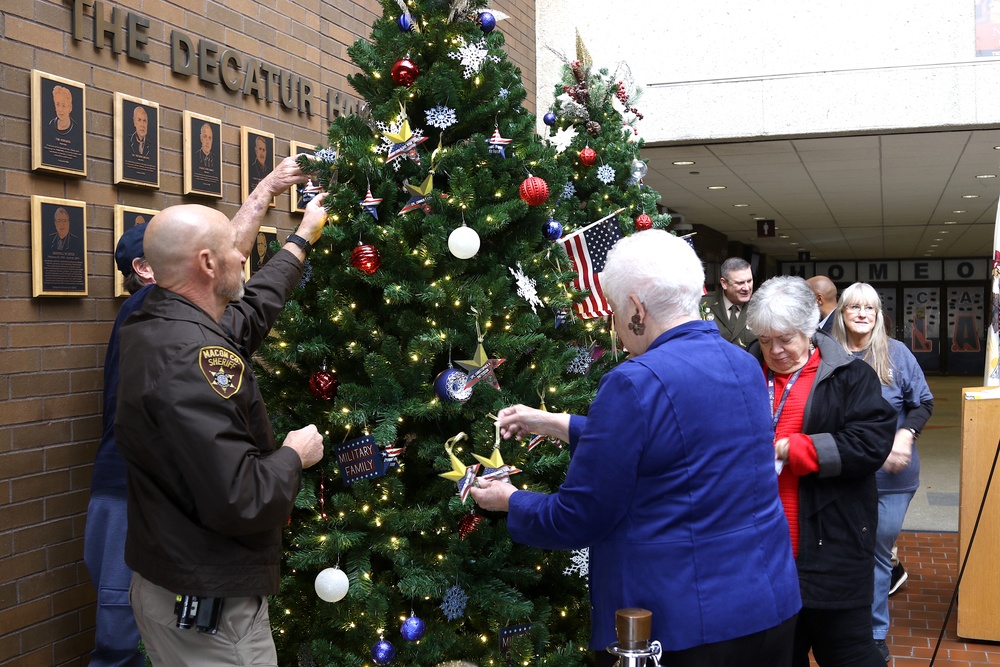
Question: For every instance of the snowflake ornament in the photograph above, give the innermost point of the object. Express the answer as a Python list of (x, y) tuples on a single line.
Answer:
[(441, 117), (579, 563), (526, 287), (606, 174), (472, 56), (563, 137), (454, 603), (399, 141), (569, 190), (583, 359), (327, 155), (504, 93)]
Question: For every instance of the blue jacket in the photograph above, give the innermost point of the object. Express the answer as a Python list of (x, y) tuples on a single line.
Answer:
[(672, 486)]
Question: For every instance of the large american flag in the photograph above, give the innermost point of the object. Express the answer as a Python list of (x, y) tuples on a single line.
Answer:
[(588, 250)]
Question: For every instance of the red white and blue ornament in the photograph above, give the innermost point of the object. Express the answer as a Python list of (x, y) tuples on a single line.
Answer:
[(449, 386), (419, 195), (553, 230), (413, 629), (549, 119), (370, 204), (497, 143), (383, 652), (487, 22)]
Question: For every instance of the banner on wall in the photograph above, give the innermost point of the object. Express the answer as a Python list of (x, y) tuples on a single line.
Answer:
[(987, 28), (991, 376)]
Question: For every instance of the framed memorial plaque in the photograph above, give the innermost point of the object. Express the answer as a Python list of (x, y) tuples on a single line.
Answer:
[(137, 141), (202, 155), (256, 159), (127, 217), (262, 250), (296, 203), (58, 125), (58, 247)]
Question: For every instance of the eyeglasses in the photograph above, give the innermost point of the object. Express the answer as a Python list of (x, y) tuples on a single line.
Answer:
[(857, 308)]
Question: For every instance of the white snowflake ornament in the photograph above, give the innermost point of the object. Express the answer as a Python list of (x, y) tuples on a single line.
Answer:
[(569, 190), (579, 564), (563, 137), (526, 287), (472, 56), (441, 117), (606, 174)]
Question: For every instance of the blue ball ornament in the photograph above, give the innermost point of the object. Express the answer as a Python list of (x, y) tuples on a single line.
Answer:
[(449, 386), (553, 230), (383, 652), (487, 22), (549, 119), (405, 23), (413, 629)]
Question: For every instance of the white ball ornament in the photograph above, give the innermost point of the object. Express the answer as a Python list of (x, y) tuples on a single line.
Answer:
[(331, 584), (463, 242)]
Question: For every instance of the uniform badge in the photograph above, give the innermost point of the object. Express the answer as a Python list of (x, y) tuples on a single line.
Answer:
[(222, 368)]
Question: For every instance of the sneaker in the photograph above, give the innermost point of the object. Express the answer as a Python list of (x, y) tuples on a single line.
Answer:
[(899, 578), (882, 648)]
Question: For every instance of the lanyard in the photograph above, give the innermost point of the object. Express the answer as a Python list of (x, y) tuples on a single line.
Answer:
[(776, 411)]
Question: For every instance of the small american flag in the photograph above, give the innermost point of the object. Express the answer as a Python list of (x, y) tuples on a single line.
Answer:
[(588, 250)]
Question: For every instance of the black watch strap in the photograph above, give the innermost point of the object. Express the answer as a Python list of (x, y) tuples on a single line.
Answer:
[(295, 239)]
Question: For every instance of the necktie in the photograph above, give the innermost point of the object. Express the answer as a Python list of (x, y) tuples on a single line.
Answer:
[(734, 312)]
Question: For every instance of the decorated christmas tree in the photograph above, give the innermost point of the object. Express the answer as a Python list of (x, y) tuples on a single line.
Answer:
[(593, 128), (438, 295)]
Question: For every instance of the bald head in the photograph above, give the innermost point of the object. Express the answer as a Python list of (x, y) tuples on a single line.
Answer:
[(175, 237), (826, 293)]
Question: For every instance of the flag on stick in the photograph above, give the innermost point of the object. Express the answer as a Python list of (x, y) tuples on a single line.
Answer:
[(588, 250)]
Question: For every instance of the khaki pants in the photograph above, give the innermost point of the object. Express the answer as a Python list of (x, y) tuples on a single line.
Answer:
[(244, 636)]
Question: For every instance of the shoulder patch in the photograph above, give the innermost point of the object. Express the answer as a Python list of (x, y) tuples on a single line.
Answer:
[(222, 368)]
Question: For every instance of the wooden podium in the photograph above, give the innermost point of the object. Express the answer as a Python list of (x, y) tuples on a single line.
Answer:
[(979, 595)]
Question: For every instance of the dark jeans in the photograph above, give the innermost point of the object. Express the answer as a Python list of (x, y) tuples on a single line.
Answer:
[(767, 648), (837, 637)]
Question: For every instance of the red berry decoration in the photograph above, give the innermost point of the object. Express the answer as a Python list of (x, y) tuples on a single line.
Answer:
[(467, 524), (588, 156), (404, 72), (534, 191), (323, 384), (643, 222), (365, 258)]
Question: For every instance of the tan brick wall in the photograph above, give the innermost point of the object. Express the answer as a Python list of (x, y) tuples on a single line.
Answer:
[(52, 349)]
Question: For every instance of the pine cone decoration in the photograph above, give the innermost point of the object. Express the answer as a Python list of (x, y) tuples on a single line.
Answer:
[(593, 128)]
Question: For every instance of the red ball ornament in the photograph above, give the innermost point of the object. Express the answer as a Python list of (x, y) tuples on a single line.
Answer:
[(365, 258), (534, 191), (467, 524), (588, 156), (404, 72), (323, 384), (643, 222)]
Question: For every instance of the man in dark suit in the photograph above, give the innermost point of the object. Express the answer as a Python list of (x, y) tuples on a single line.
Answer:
[(728, 306), (826, 299)]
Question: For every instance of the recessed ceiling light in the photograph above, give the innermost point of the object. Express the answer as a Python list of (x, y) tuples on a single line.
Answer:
[(794, 243), (951, 222), (970, 196), (759, 217), (723, 187), (943, 231), (740, 205), (996, 148), (958, 211), (934, 245), (986, 176), (782, 236), (683, 163)]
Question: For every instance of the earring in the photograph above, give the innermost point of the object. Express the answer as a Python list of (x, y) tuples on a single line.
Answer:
[(636, 326)]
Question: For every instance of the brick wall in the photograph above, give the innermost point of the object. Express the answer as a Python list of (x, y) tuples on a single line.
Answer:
[(52, 349)]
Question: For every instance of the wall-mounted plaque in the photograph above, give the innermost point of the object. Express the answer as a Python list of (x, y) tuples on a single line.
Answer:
[(263, 250), (127, 217), (202, 155), (296, 204), (58, 246), (256, 159), (137, 141), (58, 124)]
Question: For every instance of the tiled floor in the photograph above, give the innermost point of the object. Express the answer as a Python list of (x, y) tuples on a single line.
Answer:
[(918, 610)]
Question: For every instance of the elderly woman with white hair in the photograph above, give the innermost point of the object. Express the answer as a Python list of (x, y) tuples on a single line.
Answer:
[(833, 430), (676, 500)]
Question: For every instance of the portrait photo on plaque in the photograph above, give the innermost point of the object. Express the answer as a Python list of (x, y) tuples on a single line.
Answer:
[(58, 246), (264, 248), (127, 217), (202, 155), (301, 194), (256, 159), (58, 124), (137, 141)]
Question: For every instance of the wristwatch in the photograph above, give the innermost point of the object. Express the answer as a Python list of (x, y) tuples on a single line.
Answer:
[(915, 432), (295, 239)]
